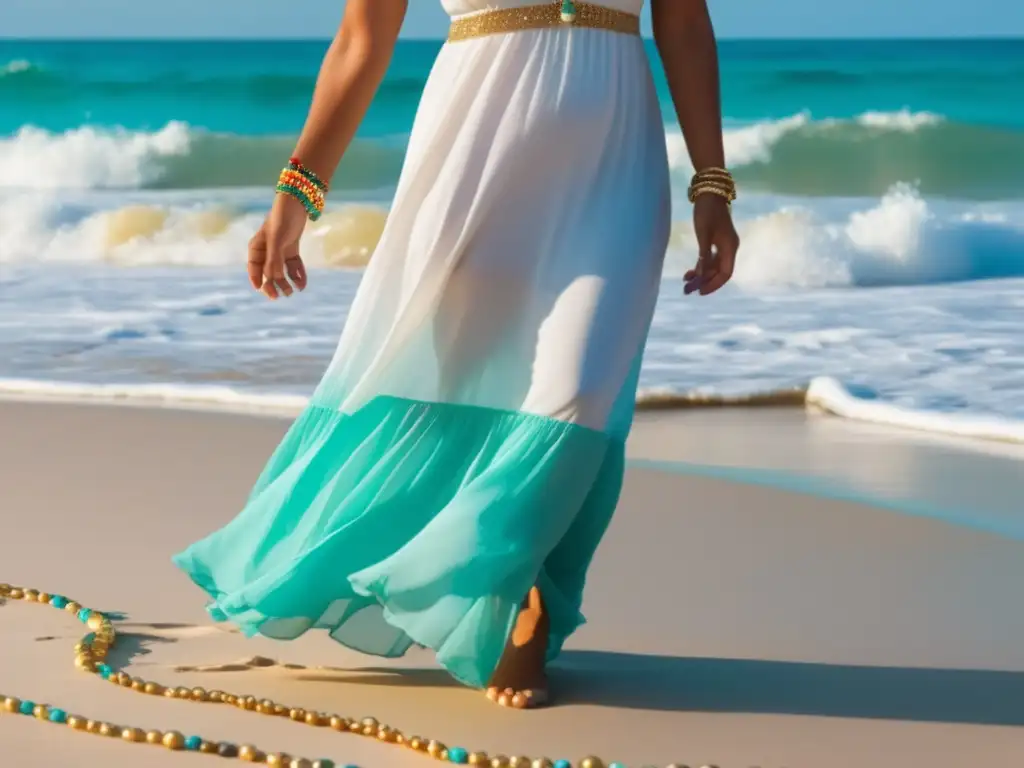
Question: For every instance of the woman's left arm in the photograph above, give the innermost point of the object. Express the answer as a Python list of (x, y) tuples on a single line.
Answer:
[(686, 43)]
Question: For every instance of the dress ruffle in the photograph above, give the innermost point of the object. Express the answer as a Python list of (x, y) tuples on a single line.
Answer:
[(411, 523)]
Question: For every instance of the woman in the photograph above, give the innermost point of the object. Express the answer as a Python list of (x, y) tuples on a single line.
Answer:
[(459, 463)]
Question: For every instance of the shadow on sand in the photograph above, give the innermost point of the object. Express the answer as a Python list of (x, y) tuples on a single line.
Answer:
[(633, 681)]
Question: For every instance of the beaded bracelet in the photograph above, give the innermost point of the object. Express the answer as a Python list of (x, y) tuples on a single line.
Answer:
[(715, 181), (299, 182)]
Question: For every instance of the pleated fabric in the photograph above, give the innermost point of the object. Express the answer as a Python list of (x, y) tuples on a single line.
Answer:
[(467, 439)]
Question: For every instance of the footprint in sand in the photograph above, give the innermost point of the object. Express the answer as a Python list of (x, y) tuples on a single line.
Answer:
[(174, 631), (243, 665)]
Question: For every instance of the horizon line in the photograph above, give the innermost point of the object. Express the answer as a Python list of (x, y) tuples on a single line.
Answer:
[(432, 39)]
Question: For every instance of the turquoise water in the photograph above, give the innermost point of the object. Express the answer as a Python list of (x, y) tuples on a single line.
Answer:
[(948, 115), (881, 214)]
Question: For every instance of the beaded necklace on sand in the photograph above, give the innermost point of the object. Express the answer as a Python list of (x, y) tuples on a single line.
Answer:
[(91, 656)]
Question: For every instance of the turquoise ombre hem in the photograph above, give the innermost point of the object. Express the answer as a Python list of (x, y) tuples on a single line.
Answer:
[(411, 523)]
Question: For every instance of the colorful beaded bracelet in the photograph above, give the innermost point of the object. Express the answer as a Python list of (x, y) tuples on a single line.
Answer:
[(297, 181)]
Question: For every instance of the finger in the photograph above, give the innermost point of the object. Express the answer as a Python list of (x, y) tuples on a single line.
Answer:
[(296, 272), (723, 271), (256, 257), (699, 275), (269, 289), (284, 286), (273, 271)]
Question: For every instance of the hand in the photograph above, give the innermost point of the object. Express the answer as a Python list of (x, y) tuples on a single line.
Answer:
[(274, 250), (717, 243)]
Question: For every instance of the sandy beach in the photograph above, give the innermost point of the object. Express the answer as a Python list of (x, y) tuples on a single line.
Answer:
[(850, 598)]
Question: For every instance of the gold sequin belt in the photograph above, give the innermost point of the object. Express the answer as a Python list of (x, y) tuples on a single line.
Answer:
[(560, 13)]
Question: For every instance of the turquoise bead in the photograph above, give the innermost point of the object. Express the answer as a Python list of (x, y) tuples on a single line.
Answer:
[(84, 614), (27, 707), (563, 764), (58, 716), (616, 765), (58, 601), (458, 755), (104, 670), (193, 743)]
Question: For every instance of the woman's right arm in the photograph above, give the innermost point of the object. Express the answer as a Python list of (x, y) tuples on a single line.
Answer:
[(350, 74)]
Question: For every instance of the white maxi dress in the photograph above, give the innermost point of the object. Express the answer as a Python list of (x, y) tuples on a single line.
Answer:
[(467, 439)]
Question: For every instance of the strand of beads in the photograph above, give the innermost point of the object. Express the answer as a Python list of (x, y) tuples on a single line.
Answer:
[(298, 181), (714, 181), (91, 654)]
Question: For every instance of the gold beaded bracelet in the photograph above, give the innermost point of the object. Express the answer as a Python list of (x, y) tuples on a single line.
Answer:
[(715, 181), (91, 655)]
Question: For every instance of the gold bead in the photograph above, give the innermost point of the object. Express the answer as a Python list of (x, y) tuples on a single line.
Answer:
[(516, 761), (435, 748), (315, 718), (386, 734), (30, 594), (355, 727), (16, 594), (93, 726), (217, 696), (106, 729), (173, 740), (138, 685), (249, 754), (72, 607), (297, 714), (96, 622), (339, 723), (499, 761), (43, 597), (199, 694), (76, 723), (277, 759), (592, 762), (301, 762), (85, 663), (542, 762), (181, 692), (153, 689), (249, 703), (416, 743), (133, 734), (41, 712), (12, 705), (208, 748), (479, 758), (154, 737), (370, 722)]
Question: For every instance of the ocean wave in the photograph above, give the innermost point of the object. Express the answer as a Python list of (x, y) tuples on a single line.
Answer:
[(796, 155), (900, 239), (174, 157), (822, 394), (865, 155), (17, 67)]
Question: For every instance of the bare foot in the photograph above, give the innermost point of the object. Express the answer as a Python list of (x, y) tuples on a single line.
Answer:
[(520, 681)]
